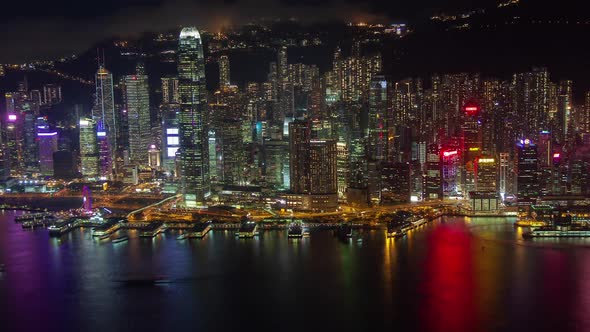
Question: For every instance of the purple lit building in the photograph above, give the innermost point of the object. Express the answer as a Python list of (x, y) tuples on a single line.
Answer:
[(105, 166)]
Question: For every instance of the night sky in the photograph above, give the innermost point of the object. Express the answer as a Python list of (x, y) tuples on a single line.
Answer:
[(43, 29)]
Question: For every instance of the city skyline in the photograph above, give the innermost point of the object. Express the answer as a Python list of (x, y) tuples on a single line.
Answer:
[(416, 175)]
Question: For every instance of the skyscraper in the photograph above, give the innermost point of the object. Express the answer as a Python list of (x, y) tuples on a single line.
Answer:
[(194, 149), (170, 90), (485, 174), (313, 168), (527, 182), (88, 148), (224, 70), (138, 114), (378, 120), (47, 146), (104, 106), (105, 166)]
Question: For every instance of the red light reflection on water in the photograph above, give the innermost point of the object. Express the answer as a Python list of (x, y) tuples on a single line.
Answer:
[(449, 282)]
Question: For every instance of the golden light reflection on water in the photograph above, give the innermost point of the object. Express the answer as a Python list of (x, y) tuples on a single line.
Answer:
[(389, 261)]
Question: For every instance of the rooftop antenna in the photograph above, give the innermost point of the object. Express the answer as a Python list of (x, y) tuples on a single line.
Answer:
[(97, 57)]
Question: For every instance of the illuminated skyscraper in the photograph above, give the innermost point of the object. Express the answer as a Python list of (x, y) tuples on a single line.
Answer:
[(432, 179), (224, 78), (194, 150), (503, 175), (4, 165), (170, 90), (47, 146), (485, 174), (378, 120), (313, 168), (138, 113), (232, 152), (15, 143), (104, 105), (527, 182), (105, 166), (88, 149)]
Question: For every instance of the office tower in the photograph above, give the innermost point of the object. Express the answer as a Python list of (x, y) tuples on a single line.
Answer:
[(299, 136), (215, 165), (51, 94), (276, 163), (88, 148), (586, 113), (451, 162), (564, 111), (527, 181), (342, 168), (232, 152), (193, 133), (545, 148), (104, 106), (471, 137), (138, 116), (432, 176), (503, 175), (63, 165), (105, 163), (170, 90), (313, 168), (4, 161), (395, 182), (224, 78), (47, 146), (15, 143), (31, 126), (485, 174), (378, 120), (357, 191)]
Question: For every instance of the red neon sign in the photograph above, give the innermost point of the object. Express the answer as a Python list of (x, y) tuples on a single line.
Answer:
[(556, 155), (471, 108)]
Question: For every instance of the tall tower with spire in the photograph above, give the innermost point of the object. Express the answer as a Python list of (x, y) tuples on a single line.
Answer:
[(192, 121)]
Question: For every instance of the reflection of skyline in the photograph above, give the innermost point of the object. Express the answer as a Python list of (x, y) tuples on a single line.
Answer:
[(441, 278)]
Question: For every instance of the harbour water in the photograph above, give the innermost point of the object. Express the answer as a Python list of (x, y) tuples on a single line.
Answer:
[(455, 274)]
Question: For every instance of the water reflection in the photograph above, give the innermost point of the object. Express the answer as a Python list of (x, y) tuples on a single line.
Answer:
[(450, 281), (474, 275)]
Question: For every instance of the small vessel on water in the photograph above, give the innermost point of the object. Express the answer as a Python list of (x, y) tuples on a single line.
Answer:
[(153, 229), (530, 223), (295, 230), (120, 239), (61, 227), (400, 224), (248, 229)]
